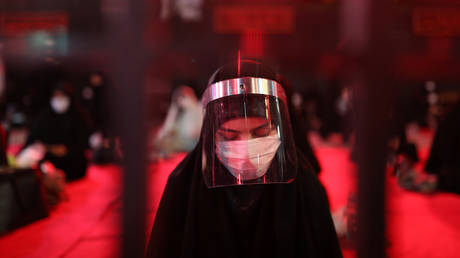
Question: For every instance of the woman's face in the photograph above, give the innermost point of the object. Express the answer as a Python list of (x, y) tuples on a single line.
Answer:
[(60, 102), (246, 146), (244, 129)]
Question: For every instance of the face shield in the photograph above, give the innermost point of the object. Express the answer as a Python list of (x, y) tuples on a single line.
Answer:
[(246, 133)]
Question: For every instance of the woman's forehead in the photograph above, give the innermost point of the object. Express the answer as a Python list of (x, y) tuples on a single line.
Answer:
[(244, 123)]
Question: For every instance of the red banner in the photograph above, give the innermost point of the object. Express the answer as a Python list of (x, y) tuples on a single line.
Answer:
[(266, 19), (440, 22), (23, 22)]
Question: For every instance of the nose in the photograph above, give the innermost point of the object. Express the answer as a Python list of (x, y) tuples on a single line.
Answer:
[(245, 136)]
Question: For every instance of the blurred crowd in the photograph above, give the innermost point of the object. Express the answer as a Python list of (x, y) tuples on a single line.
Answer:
[(60, 124), (57, 125)]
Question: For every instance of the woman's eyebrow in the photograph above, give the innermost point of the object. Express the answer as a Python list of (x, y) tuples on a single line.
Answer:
[(228, 130), (259, 127)]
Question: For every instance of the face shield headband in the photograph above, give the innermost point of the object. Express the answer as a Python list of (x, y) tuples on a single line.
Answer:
[(245, 85)]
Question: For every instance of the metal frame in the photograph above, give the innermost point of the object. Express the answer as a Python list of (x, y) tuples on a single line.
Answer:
[(244, 85)]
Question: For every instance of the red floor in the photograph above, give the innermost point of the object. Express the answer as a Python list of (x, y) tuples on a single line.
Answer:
[(86, 225)]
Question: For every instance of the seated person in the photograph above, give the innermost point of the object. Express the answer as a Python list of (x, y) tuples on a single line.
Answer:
[(244, 191), (61, 131), (443, 164), (181, 129)]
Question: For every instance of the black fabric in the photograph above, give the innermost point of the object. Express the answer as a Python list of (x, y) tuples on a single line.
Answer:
[(400, 116), (3, 147), (300, 127), (98, 109), (278, 220), (69, 129), (22, 198), (331, 121), (444, 158), (300, 131), (304, 146)]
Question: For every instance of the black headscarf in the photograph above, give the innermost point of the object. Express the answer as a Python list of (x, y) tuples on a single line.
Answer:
[(300, 128)]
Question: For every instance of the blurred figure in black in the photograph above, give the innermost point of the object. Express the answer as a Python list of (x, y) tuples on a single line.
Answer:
[(300, 126), (402, 155), (61, 130), (444, 158), (336, 112), (94, 97)]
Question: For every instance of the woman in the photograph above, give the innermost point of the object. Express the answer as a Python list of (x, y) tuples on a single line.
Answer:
[(62, 129), (244, 191), (181, 129)]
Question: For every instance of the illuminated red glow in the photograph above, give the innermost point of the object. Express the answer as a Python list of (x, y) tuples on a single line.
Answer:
[(239, 62), (419, 226), (276, 19), (24, 22), (252, 44)]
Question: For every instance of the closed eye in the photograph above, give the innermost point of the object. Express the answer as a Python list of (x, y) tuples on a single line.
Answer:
[(262, 130), (228, 134)]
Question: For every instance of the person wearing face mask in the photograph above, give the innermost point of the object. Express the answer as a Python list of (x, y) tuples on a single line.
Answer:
[(181, 129), (62, 131), (244, 191)]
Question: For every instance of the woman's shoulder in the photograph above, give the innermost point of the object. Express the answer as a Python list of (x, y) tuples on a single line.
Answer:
[(185, 169)]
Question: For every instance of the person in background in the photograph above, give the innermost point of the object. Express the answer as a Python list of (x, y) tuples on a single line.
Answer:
[(442, 168), (61, 132), (335, 112), (102, 139), (181, 129), (300, 127), (443, 163), (244, 191)]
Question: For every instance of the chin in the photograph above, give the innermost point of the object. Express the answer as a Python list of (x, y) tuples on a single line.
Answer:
[(249, 175)]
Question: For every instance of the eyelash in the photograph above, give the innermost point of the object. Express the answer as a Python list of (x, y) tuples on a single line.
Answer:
[(234, 136), (228, 136)]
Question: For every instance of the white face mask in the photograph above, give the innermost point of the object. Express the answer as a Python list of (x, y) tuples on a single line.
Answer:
[(60, 104), (248, 159)]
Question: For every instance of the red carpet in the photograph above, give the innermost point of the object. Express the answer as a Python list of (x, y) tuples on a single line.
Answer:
[(87, 224), (78, 227)]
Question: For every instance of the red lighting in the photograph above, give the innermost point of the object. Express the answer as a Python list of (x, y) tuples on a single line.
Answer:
[(442, 22), (252, 44), (239, 62), (267, 19), (24, 22)]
